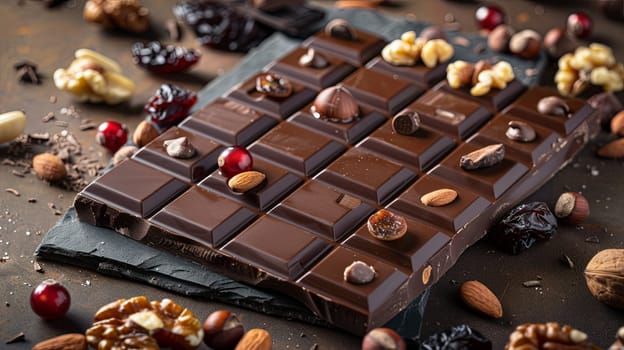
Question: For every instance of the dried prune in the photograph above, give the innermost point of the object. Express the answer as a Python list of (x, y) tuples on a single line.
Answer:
[(160, 58), (219, 26), (523, 226), (169, 105), (458, 337)]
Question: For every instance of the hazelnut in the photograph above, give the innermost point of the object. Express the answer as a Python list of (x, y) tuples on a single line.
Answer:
[(144, 133), (383, 339), (526, 43), (557, 43), (479, 67), (124, 153), (335, 104), (222, 330), (49, 167), (499, 37), (572, 208)]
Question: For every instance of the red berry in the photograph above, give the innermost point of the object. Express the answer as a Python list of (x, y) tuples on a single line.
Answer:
[(50, 300), (234, 160), (112, 135), (169, 105), (579, 25), (490, 16)]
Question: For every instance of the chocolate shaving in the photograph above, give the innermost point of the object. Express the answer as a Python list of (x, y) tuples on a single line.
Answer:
[(19, 337), (87, 126), (61, 123), (32, 200), (592, 239), (46, 118), (39, 137), (12, 191), (532, 283), (18, 173), (567, 261)]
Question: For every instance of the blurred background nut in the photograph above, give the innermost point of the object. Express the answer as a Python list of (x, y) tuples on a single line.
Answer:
[(128, 15), (144, 133), (604, 275), (499, 37), (557, 43), (436, 51), (459, 73), (403, 52), (49, 167), (479, 67), (526, 43), (547, 336), (124, 153)]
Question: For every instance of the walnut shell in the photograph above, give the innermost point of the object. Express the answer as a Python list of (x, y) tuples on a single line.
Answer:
[(49, 166), (604, 275)]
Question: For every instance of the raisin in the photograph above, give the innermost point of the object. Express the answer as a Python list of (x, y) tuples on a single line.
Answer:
[(169, 105), (457, 338), (219, 26), (160, 58), (523, 226)]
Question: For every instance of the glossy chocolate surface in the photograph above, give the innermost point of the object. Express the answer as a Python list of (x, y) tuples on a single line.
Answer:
[(385, 93), (316, 78), (450, 113), (495, 100), (348, 133), (191, 169), (367, 175), (417, 74), (301, 150), (420, 150), (229, 122), (356, 52), (277, 107), (323, 209)]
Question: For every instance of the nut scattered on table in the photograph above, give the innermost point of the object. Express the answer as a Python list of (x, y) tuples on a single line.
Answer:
[(128, 15), (72, 341), (383, 339), (49, 167), (144, 133), (604, 275), (479, 297), (12, 125), (547, 336), (222, 330), (255, 339), (139, 323), (572, 208), (526, 43), (93, 77), (498, 39)]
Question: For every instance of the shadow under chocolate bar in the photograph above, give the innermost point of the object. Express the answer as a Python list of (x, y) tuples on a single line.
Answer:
[(299, 230)]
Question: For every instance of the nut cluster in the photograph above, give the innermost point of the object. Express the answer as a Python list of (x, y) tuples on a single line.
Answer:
[(525, 43), (538, 336), (94, 77), (480, 76), (594, 64), (408, 50), (128, 15), (144, 324)]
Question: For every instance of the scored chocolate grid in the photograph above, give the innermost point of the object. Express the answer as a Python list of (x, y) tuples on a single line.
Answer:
[(368, 306)]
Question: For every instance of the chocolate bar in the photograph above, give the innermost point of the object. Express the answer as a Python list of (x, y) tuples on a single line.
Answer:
[(329, 169)]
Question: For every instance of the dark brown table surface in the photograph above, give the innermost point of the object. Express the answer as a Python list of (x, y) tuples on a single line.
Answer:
[(49, 38)]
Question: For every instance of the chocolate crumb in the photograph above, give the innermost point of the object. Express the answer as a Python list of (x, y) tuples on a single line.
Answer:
[(462, 41), (39, 137), (32, 200), (18, 173), (46, 118), (87, 126), (532, 283), (479, 48), (592, 239), (27, 72), (61, 123), (37, 267), (567, 261), (19, 337), (7, 161), (12, 191)]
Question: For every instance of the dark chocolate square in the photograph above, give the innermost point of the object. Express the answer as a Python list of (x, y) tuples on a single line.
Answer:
[(495, 100), (323, 209), (301, 150), (525, 107), (490, 182), (137, 188), (203, 217), (450, 113), (356, 52), (192, 169), (277, 107), (350, 133), (410, 252), (420, 150), (417, 73), (529, 153), (229, 122), (367, 175), (315, 78), (279, 182), (327, 279), (387, 94), (278, 247), (452, 216)]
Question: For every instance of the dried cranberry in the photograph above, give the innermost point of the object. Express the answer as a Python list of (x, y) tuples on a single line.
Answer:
[(523, 226), (170, 105), (457, 338), (219, 26), (234, 160), (490, 16), (160, 58), (112, 135)]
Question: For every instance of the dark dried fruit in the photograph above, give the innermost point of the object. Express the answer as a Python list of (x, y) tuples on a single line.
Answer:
[(273, 85), (523, 226), (483, 157), (457, 338), (520, 131), (359, 272), (160, 58), (553, 105), (386, 226), (340, 28), (169, 105), (219, 26), (406, 123)]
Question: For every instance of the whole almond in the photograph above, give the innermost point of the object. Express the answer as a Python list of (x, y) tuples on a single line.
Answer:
[(144, 133), (246, 181), (613, 149), (617, 124), (480, 298), (439, 198), (255, 339), (72, 341), (49, 166)]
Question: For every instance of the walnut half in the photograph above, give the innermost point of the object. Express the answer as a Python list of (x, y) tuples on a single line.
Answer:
[(543, 336), (137, 323)]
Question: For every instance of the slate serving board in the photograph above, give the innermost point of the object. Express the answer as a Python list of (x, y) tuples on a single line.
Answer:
[(105, 251)]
